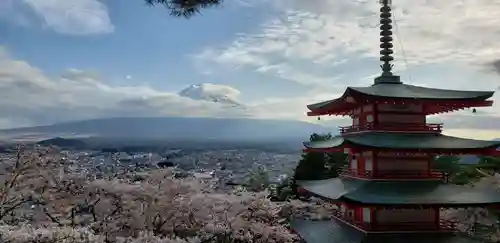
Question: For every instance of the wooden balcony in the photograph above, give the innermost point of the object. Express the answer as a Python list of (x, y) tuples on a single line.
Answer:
[(394, 174), (444, 225), (394, 127)]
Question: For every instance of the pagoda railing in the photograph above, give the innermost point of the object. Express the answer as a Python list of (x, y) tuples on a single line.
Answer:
[(444, 224), (393, 174), (394, 127)]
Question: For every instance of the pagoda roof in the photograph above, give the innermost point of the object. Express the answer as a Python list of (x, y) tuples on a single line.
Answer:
[(448, 100), (333, 231), (400, 192), (402, 141), (406, 91)]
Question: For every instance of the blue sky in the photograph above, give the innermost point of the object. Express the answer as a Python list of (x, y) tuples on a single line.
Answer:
[(146, 43), (93, 58)]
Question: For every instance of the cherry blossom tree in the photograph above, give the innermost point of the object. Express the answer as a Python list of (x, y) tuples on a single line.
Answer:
[(24, 179), (157, 207), (42, 201), (481, 223)]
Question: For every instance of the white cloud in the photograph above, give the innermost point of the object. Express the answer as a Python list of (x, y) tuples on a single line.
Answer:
[(326, 32), (430, 30), (292, 107), (308, 42), (214, 89), (28, 96), (73, 17)]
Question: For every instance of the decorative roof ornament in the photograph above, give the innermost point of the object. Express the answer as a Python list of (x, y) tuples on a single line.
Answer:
[(386, 38), (386, 45)]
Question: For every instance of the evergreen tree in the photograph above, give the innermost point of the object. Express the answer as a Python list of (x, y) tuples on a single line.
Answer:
[(312, 164), (283, 190), (334, 164), (185, 8), (448, 165), (489, 164), (462, 174), (317, 165)]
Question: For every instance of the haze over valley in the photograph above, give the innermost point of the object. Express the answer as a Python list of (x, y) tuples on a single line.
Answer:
[(175, 128)]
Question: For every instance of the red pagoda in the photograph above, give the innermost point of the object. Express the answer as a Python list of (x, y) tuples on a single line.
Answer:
[(389, 193)]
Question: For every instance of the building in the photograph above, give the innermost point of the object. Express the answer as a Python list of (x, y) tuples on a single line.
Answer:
[(389, 193)]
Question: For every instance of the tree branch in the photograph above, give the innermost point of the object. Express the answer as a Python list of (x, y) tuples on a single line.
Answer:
[(185, 8)]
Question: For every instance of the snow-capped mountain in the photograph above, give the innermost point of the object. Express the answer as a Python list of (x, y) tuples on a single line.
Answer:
[(216, 93)]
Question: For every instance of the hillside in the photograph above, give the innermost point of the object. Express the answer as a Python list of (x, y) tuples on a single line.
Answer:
[(63, 143), (177, 128)]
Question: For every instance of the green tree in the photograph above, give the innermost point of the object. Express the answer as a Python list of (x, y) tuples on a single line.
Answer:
[(283, 190), (463, 174), (312, 165), (334, 164), (448, 165), (185, 8), (489, 164), (317, 165), (473, 173)]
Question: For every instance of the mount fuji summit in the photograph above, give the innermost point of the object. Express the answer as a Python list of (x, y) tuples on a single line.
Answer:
[(215, 93)]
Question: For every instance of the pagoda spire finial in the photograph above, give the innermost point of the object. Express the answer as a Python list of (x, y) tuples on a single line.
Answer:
[(386, 44), (386, 37)]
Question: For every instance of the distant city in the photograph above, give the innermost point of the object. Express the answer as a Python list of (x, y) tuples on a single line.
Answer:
[(228, 165)]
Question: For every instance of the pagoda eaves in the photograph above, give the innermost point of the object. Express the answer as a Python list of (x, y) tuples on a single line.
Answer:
[(406, 193), (433, 100), (336, 231), (427, 143)]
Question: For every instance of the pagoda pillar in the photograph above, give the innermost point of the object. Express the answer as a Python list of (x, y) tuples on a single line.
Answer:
[(437, 217), (375, 115)]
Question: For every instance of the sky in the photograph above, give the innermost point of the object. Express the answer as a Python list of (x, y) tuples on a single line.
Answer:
[(66, 60)]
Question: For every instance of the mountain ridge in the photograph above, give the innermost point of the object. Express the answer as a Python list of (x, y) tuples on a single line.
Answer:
[(178, 128)]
